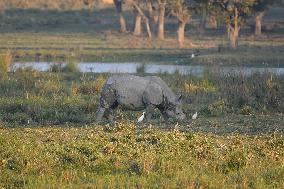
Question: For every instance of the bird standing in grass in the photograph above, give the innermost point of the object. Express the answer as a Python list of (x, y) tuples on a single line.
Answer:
[(194, 116), (140, 119)]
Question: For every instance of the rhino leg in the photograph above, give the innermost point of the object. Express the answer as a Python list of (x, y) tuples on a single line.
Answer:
[(108, 102), (165, 116), (100, 114), (108, 115), (150, 110)]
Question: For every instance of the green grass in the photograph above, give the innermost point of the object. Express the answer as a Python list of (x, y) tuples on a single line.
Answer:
[(124, 157)]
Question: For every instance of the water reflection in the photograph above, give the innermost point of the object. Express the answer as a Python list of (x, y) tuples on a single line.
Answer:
[(131, 67)]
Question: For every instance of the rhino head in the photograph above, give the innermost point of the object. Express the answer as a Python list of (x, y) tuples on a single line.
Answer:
[(174, 109)]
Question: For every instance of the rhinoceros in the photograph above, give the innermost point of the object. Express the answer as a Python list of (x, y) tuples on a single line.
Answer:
[(138, 93)]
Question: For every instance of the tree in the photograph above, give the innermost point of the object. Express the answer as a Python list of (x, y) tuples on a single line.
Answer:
[(207, 10), (259, 8), (122, 22), (161, 19), (140, 13), (137, 23), (202, 7), (180, 9), (2, 8), (236, 12), (152, 9)]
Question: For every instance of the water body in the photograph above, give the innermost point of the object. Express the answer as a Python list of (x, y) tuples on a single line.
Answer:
[(131, 67)]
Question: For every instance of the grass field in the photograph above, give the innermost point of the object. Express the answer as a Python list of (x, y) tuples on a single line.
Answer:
[(122, 157)]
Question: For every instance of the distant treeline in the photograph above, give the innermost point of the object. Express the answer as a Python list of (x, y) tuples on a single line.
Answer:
[(52, 4), (230, 13)]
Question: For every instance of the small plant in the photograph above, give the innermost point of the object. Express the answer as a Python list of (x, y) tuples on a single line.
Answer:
[(56, 68), (246, 110), (203, 85), (90, 87), (217, 108), (5, 62), (141, 69), (70, 66), (99, 83), (49, 87)]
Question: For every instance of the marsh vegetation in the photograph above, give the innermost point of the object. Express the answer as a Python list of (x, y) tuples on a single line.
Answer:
[(48, 135)]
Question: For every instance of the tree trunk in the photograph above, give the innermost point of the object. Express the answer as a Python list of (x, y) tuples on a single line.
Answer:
[(122, 22), (149, 8), (213, 21), (146, 20), (202, 23), (118, 6), (234, 31), (234, 34), (180, 33), (2, 9), (153, 20), (161, 21), (228, 28), (137, 27), (258, 21)]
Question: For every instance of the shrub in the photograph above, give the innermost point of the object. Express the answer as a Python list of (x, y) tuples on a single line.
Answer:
[(70, 66), (203, 85), (90, 87), (217, 108), (56, 68)]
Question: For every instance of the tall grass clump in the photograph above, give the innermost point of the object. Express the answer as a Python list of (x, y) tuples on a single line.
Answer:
[(70, 66), (5, 62), (141, 69), (259, 92), (56, 68)]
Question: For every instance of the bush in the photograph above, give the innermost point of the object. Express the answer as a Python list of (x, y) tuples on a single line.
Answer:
[(56, 68), (89, 87), (217, 108), (141, 69)]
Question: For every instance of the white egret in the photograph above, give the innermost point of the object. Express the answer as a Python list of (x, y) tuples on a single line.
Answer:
[(140, 119), (193, 55), (176, 127), (194, 116)]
